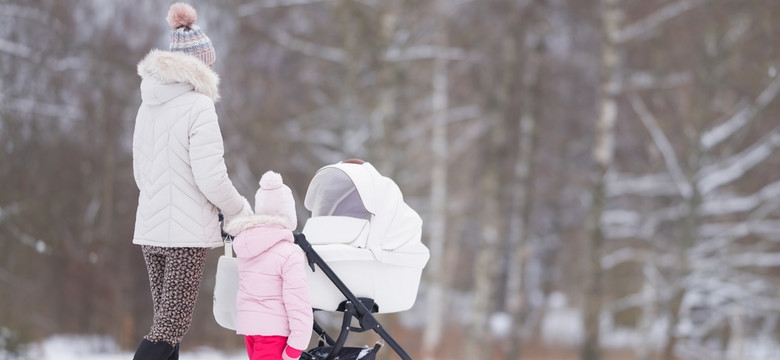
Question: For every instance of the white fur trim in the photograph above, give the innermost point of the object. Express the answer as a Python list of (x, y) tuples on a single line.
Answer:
[(178, 67), (240, 224)]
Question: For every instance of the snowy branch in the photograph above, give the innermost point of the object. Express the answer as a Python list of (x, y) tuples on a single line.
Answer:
[(752, 260), (252, 8), (28, 106), (731, 205), (663, 144), (768, 228), (647, 185), (628, 254), (721, 132), (720, 235), (656, 19), (9, 210), (455, 114), (15, 49), (648, 229), (465, 141), (711, 177), (430, 52), (646, 81), (424, 52), (738, 30), (308, 48), (15, 11)]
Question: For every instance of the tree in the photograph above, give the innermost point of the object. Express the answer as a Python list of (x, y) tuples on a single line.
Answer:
[(603, 152)]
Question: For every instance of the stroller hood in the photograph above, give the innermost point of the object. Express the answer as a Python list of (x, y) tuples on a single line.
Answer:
[(360, 191)]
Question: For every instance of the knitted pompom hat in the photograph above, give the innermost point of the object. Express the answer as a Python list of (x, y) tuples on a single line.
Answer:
[(274, 198), (188, 37)]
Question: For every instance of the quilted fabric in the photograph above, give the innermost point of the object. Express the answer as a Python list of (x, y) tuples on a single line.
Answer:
[(178, 160)]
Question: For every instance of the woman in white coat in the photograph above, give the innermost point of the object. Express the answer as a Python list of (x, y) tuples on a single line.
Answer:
[(180, 171)]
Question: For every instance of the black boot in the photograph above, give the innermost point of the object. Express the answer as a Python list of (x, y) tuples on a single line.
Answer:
[(175, 354), (160, 350)]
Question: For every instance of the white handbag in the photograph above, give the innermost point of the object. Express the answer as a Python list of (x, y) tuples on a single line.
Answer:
[(226, 288)]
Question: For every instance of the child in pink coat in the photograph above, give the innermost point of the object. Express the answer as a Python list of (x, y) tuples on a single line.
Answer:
[(274, 311)]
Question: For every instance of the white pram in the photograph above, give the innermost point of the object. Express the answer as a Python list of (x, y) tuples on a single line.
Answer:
[(366, 243), (369, 237)]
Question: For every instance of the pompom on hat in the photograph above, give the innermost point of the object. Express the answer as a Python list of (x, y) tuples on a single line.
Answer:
[(274, 198), (188, 37)]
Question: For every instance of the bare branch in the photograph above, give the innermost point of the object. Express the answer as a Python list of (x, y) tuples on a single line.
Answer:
[(646, 81), (716, 135), (663, 144), (656, 19)]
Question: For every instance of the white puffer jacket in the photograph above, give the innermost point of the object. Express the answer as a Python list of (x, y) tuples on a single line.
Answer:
[(178, 155)]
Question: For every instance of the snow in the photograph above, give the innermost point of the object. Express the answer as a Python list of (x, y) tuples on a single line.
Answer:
[(68, 347)]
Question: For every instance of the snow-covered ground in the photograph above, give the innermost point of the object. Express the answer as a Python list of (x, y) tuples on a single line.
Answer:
[(100, 348)]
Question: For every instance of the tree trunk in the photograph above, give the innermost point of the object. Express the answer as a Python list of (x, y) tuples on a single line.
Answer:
[(522, 202), (603, 152), (438, 224), (485, 267), (384, 119)]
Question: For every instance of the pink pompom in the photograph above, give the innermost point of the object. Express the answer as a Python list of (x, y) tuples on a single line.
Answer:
[(270, 180), (181, 14)]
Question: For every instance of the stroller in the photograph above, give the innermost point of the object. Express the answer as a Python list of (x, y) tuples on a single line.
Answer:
[(366, 245)]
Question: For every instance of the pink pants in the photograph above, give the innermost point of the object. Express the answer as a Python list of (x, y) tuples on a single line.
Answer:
[(260, 347)]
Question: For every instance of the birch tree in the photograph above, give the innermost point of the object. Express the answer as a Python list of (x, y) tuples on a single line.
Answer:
[(603, 151)]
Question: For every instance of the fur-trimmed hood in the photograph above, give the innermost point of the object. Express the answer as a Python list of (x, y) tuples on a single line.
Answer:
[(257, 234), (168, 74), (240, 224)]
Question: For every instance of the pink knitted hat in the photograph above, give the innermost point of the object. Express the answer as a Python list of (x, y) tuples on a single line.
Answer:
[(274, 198), (188, 37)]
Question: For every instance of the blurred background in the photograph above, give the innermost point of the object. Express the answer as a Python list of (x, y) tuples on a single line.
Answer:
[(598, 179)]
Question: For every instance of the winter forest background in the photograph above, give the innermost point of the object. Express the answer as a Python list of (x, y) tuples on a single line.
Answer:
[(599, 179)]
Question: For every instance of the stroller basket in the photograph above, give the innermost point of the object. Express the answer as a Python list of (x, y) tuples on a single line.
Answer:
[(347, 353)]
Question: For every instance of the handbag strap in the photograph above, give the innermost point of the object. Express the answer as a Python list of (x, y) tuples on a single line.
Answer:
[(227, 239), (228, 246)]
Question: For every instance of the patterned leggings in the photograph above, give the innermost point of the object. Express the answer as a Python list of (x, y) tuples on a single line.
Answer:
[(174, 276)]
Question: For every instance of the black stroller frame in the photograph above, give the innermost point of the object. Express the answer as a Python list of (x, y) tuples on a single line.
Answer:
[(354, 307)]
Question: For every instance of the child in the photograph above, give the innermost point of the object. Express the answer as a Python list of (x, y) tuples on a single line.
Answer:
[(274, 312)]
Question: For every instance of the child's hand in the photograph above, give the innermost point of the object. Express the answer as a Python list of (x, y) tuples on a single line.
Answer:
[(290, 353)]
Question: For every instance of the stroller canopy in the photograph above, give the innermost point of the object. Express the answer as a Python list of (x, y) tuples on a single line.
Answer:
[(358, 190)]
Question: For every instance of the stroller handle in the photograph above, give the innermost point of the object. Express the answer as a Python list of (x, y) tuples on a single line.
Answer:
[(355, 306)]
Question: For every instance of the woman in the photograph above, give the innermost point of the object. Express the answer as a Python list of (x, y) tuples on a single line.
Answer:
[(180, 171)]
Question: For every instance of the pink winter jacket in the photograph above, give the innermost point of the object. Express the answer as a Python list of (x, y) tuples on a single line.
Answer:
[(273, 298)]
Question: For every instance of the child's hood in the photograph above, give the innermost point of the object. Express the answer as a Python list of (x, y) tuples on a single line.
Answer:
[(256, 234)]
